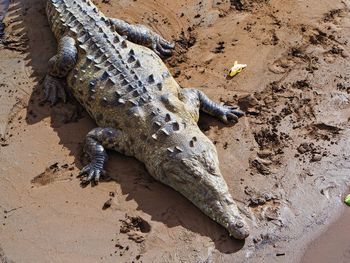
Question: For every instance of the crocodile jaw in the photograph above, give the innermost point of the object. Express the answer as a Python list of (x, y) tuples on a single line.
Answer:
[(198, 178)]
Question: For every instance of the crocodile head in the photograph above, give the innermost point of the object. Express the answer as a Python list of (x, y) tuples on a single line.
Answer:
[(195, 173)]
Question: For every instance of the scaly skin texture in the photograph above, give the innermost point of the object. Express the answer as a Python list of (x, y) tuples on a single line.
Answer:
[(139, 107)]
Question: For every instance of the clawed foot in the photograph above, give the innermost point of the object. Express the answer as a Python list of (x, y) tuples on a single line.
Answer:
[(230, 113), (157, 43), (91, 173), (54, 89), (162, 47)]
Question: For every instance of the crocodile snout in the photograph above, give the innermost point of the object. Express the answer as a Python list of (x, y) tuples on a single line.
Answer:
[(238, 229)]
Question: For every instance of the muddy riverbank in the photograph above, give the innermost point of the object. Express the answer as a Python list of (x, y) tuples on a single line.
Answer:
[(334, 243), (286, 162)]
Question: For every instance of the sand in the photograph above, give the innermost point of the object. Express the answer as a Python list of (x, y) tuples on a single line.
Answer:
[(286, 162)]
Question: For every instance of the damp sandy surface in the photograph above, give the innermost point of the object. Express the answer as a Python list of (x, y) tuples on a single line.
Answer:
[(286, 162), (333, 245)]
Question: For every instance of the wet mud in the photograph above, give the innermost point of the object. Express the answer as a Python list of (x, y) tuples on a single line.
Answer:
[(333, 245), (286, 162)]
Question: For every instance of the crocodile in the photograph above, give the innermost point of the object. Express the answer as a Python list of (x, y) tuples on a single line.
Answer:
[(114, 69)]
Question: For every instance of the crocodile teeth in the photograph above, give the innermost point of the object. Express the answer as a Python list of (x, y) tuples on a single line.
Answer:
[(154, 136)]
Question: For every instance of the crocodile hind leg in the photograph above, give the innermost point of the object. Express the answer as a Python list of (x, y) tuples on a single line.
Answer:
[(96, 142), (196, 99), (59, 67), (144, 36)]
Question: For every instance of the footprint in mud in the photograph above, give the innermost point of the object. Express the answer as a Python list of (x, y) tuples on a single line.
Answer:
[(135, 227), (52, 174)]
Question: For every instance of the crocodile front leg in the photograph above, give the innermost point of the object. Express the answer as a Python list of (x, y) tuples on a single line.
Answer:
[(96, 142), (144, 36), (196, 99), (59, 67)]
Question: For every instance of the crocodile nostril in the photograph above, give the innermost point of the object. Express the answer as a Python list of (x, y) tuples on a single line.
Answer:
[(239, 224)]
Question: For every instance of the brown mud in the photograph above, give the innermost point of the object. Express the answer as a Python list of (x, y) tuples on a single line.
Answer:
[(286, 162), (333, 245)]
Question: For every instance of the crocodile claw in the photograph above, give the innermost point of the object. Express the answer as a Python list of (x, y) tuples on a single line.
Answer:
[(54, 90), (162, 47), (91, 172), (230, 114), (157, 43)]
